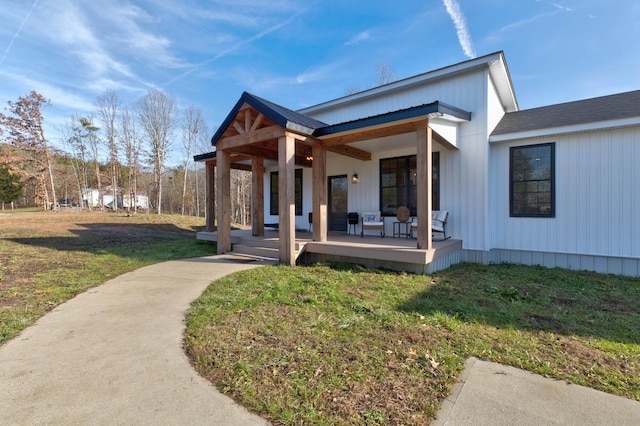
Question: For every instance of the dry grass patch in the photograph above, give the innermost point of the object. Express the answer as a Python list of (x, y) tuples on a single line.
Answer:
[(47, 258)]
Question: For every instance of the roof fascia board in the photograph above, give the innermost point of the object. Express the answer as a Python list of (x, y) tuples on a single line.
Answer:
[(501, 77), (577, 128)]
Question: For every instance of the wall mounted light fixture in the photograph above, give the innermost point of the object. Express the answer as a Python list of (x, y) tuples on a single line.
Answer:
[(354, 178)]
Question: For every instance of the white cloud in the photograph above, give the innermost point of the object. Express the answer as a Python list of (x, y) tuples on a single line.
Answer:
[(364, 35), (235, 47), (318, 74), (453, 9), (522, 22)]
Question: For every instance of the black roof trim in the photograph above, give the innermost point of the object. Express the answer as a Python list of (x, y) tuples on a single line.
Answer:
[(283, 117), (611, 107), (403, 114), (204, 157)]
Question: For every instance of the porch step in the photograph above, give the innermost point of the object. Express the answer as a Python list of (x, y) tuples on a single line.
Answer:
[(264, 252), (263, 242), (269, 253)]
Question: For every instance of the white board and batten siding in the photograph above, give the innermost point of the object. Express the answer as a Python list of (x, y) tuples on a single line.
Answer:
[(597, 204)]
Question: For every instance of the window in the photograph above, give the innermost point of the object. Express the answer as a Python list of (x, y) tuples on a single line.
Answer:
[(273, 204), (531, 181), (398, 184)]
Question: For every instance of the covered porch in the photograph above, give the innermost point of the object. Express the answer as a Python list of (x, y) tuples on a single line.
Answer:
[(257, 133)]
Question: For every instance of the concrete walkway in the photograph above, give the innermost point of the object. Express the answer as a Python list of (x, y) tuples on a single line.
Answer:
[(113, 355), (487, 393)]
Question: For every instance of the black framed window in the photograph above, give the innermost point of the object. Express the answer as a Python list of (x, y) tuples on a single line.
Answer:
[(532, 181), (398, 184), (274, 193)]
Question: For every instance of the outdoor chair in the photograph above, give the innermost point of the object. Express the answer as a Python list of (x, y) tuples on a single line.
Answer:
[(352, 221), (372, 221), (438, 224)]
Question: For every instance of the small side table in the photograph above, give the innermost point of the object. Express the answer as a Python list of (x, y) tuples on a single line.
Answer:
[(399, 227)]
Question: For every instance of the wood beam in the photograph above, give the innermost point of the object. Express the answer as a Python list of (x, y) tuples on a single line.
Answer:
[(272, 154), (372, 133), (260, 135), (257, 122), (424, 142), (210, 199), (224, 202), (247, 120), (236, 166), (286, 199), (349, 151), (257, 196), (238, 127), (319, 193)]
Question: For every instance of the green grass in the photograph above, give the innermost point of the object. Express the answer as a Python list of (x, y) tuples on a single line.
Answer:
[(47, 258), (343, 345)]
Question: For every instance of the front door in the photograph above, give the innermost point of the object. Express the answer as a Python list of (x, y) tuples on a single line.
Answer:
[(337, 203)]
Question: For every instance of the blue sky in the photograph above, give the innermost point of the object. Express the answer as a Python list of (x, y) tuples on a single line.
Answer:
[(299, 53)]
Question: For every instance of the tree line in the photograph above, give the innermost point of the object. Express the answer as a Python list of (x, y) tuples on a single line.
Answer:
[(118, 149)]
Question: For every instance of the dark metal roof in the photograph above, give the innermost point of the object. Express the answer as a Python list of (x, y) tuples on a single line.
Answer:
[(293, 120), (403, 114), (612, 107), (283, 117)]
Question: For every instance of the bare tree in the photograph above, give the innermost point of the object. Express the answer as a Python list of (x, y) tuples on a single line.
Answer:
[(241, 195), (108, 105), (132, 144), (94, 144), (75, 139), (203, 145), (26, 134), (386, 73), (157, 112), (192, 124)]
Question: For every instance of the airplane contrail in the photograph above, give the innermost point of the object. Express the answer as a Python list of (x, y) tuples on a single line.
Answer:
[(453, 9), (15, 36)]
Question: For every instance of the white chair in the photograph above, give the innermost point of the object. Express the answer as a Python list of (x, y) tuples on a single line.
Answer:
[(438, 224), (372, 221)]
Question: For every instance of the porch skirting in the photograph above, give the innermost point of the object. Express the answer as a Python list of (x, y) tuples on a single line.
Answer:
[(628, 266), (437, 264)]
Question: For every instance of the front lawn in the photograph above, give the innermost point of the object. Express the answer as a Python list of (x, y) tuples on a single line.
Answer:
[(46, 258), (343, 345)]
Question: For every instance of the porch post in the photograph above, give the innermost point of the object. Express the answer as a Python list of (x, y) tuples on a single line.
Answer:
[(286, 199), (423, 164), (319, 208), (224, 201), (257, 196), (210, 199)]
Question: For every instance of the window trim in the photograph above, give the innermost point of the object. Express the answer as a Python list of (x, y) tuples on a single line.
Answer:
[(552, 181), (274, 193)]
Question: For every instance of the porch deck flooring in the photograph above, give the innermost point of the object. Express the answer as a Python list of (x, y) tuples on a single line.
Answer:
[(352, 247)]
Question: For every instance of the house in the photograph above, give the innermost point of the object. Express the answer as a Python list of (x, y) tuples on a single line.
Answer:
[(140, 200), (91, 197), (555, 186), (95, 198)]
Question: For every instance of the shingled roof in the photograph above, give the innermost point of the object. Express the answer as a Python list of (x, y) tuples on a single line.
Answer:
[(612, 107)]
